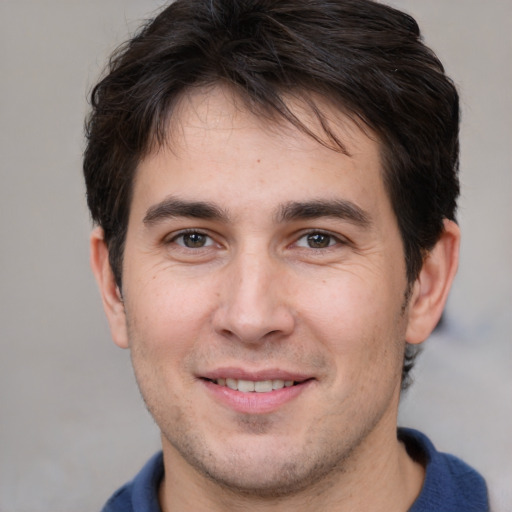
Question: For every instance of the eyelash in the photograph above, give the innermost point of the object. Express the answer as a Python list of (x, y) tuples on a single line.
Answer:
[(186, 232), (333, 240)]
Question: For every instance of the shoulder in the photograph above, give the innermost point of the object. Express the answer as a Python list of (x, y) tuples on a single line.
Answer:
[(450, 484), (140, 494)]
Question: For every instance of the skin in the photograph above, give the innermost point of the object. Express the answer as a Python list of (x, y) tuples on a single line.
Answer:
[(255, 289)]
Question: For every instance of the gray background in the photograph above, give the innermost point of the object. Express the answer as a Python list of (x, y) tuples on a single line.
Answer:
[(72, 425)]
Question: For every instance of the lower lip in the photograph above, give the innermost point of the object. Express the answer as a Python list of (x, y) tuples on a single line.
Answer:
[(253, 402)]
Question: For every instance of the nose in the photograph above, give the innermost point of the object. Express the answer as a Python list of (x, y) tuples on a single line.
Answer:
[(254, 306)]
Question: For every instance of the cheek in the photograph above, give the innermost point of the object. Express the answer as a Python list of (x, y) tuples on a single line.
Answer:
[(167, 316), (164, 328), (360, 323), (352, 303)]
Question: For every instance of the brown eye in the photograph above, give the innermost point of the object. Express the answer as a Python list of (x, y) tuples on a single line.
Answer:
[(317, 240), (193, 240)]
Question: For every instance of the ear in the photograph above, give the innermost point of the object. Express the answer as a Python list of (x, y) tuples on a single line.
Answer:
[(110, 293), (433, 284)]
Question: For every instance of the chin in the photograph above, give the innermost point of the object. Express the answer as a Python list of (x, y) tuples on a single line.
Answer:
[(269, 469), (279, 482)]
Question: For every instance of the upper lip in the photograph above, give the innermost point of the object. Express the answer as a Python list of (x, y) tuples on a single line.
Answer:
[(254, 375)]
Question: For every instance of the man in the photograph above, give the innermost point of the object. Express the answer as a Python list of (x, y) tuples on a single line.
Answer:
[(275, 185)]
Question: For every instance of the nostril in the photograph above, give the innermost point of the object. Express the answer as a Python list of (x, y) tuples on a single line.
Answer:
[(253, 321)]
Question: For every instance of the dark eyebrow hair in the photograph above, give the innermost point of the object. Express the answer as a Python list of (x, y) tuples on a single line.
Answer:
[(174, 207), (338, 208)]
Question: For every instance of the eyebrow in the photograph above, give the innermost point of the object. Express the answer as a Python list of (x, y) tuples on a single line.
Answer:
[(172, 207), (338, 209)]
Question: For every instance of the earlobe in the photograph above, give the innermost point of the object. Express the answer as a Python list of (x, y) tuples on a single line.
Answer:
[(431, 288), (110, 294)]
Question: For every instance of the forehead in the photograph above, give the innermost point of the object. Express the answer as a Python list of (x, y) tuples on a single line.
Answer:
[(217, 146), (304, 118)]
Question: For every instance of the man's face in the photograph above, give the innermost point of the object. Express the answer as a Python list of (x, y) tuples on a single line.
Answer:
[(257, 258)]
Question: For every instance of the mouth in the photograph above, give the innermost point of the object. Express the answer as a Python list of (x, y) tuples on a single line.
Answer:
[(258, 392), (251, 386)]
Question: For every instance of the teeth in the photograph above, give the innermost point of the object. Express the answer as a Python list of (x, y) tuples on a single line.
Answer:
[(232, 384), (263, 386), (249, 386), (278, 384), (246, 385)]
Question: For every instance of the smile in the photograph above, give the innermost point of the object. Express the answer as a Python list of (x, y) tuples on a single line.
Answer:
[(249, 386), (256, 394)]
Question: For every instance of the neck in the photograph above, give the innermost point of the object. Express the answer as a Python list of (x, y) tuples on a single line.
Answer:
[(380, 476)]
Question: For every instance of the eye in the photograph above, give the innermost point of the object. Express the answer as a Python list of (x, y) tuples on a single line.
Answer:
[(193, 240), (317, 240)]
